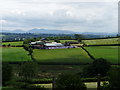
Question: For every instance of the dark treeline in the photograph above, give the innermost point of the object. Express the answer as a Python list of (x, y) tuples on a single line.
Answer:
[(23, 36)]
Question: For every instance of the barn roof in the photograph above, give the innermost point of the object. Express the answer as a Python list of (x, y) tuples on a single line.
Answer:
[(53, 44)]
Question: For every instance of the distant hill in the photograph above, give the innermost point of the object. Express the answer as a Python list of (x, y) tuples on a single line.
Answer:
[(40, 31), (13, 31), (51, 31)]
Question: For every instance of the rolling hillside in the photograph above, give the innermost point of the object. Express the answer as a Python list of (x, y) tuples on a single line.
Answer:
[(101, 41), (62, 56)]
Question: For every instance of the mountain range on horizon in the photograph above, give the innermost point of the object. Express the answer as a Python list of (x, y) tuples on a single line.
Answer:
[(42, 31), (49, 31)]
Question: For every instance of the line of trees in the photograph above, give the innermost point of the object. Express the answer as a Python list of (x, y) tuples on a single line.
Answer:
[(30, 70)]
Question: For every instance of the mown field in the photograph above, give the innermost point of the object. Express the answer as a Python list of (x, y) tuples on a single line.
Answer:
[(101, 41), (14, 54), (63, 41), (61, 68), (19, 43), (108, 52), (8, 88), (73, 55)]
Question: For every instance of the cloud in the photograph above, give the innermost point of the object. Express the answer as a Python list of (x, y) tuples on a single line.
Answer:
[(3, 21), (77, 16)]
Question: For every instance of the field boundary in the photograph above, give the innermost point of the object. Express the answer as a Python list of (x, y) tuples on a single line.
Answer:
[(92, 57), (106, 45), (99, 38)]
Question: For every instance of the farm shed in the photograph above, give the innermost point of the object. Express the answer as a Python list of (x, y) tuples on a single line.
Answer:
[(70, 42), (32, 43), (53, 44), (49, 45)]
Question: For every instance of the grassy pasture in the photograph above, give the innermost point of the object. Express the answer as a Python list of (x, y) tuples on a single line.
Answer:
[(63, 41), (101, 41), (61, 68), (108, 52), (13, 43), (14, 54), (9, 88), (73, 55)]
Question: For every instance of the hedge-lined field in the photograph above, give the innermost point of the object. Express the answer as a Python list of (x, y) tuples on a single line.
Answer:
[(14, 54), (108, 52), (73, 55), (63, 41), (19, 43), (101, 41), (9, 88)]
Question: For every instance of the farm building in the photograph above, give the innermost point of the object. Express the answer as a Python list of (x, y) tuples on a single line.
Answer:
[(50, 45), (73, 43), (53, 44)]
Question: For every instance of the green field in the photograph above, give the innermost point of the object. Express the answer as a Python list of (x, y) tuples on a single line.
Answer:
[(63, 41), (108, 52), (73, 55), (61, 68), (101, 41), (9, 88), (14, 54), (19, 43)]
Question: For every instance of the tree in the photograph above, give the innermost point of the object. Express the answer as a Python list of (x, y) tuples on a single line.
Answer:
[(29, 70), (9, 45), (6, 73), (98, 66), (69, 82), (79, 37), (30, 51), (26, 47), (114, 78), (56, 40)]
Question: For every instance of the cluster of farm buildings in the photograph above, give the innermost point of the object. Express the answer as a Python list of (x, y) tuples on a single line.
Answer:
[(43, 44)]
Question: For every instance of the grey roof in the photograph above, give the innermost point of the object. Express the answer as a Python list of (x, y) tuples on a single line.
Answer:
[(53, 44)]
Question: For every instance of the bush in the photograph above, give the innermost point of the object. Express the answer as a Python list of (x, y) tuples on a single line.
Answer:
[(56, 40), (15, 84), (114, 78), (94, 79), (34, 87), (105, 86), (41, 80), (29, 70), (98, 66), (24, 85), (35, 81), (69, 82), (6, 73)]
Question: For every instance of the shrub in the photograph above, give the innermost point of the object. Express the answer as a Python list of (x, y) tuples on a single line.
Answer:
[(35, 81), (15, 84), (34, 87), (69, 82), (29, 70), (41, 80), (93, 79), (114, 79), (6, 73), (98, 66)]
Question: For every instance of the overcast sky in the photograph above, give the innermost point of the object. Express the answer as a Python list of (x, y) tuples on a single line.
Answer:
[(72, 15)]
